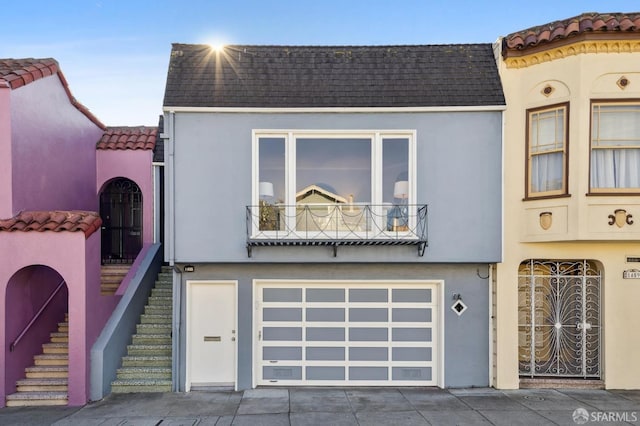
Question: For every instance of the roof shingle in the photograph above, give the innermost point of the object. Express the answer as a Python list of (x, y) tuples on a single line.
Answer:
[(122, 138), (55, 221), (591, 22), (332, 76)]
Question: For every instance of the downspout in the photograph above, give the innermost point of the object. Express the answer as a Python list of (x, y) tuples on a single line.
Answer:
[(171, 238)]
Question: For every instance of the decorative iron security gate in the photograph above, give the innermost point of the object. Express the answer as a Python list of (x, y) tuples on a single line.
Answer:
[(559, 319), (121, 213)]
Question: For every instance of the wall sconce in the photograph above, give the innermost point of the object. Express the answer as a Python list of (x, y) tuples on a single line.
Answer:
[(620, 217), (546, 219)]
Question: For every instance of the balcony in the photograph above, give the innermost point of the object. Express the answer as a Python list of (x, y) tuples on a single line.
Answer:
[(336, 224)]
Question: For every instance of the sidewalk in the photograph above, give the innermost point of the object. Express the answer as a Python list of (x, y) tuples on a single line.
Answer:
[(343, 406)]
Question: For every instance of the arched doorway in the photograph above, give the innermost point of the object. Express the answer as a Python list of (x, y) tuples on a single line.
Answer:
[(36, 302), (121, 213), (559, 319)]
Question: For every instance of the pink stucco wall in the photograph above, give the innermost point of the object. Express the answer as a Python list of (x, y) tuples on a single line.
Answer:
[(137, 166), (6, 210), (52, 150), (77, 260)]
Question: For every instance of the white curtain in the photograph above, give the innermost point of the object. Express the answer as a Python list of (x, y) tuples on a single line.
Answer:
[(615, 168), (546, 172)]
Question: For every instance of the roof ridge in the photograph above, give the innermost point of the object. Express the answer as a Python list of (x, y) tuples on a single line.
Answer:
[(588, 22)]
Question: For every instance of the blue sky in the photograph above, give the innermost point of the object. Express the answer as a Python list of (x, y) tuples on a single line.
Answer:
[(115, 53)]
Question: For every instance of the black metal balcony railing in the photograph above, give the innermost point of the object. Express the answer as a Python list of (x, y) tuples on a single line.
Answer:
[(336, 225)]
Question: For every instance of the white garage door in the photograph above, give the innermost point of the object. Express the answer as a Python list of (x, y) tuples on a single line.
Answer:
[(347, 333)]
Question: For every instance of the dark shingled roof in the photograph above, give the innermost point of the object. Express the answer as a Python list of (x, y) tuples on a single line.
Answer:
[(333, 76)]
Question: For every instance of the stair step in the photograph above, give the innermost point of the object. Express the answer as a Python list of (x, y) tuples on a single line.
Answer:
[(42, 385), (153, 328), (63, 327), (158, 309), (146, 361), (158, 350), (139, 373), (46, 371), (23, 399), (151, 339), (544, 383), (155, 319), (161, 291), (129, 386), (55, 348), (160, 300), (59, 337), (51, 359)]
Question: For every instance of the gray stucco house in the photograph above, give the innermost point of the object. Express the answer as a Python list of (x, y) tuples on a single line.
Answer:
[(333, 214)]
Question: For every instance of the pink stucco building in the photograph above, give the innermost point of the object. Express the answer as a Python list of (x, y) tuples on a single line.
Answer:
[(75, 195)]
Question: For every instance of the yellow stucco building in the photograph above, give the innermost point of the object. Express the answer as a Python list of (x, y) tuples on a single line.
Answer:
[(566, 296)]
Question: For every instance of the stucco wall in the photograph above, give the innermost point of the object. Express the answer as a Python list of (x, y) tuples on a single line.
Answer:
[(6, 201), (458, 176), (580, 229), (53, 150), (466, 337)]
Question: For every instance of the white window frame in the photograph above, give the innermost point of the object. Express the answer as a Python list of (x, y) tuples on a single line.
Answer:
[(290, 137)]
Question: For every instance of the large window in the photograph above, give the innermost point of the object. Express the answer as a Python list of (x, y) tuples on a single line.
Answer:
[(333, 181), (615, 147), (547, 151)]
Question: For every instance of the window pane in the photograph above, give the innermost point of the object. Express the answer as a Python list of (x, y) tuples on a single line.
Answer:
[(615, 168), (333, 182), (395, 168), (546, 172), (615, 126), (547, 158), (340, 168), (271, 182)]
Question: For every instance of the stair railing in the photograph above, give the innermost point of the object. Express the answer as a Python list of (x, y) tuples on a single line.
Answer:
[(36, 316)]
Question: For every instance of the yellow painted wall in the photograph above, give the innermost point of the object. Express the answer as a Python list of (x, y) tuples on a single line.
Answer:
[(580, 228)]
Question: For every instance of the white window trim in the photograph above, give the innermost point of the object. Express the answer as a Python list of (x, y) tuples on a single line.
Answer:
[(290, 136)]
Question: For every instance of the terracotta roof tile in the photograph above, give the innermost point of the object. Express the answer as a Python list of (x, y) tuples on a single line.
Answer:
[(120, 138), (15, 73), (586, 23), (55, 221), (19, 72)]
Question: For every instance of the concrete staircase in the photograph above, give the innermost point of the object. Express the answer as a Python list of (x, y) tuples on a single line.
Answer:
[(46, 382), (111, 277), (147, 366)]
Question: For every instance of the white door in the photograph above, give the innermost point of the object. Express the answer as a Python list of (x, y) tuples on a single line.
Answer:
[(329, 333), (211, 333)]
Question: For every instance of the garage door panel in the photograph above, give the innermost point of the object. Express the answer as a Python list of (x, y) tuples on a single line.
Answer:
[(283, 333), (361, 334), (340, 334), (335, 295), (367, 353), (286, 353), (325, 314), (368, 373), (414, 334), (403, 295)]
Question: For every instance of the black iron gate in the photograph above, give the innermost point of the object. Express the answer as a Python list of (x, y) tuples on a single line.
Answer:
[(121, 213)]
